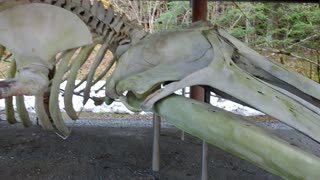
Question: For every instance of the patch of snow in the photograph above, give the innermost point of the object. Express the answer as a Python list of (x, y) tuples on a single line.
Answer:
[(118, 107), (227, 105)]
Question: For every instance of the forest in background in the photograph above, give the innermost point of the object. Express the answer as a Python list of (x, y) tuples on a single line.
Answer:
[(287, 33)]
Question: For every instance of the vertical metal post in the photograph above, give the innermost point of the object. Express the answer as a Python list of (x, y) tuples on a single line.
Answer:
[(183, 94), (204, 165), (204, 171), (156, 143), (199, 12), (182, 135)]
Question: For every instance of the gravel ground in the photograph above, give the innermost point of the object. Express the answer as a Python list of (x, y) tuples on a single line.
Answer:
[(107, 148)]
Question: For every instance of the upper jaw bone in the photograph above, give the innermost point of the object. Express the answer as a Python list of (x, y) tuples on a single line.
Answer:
[(223, 74)]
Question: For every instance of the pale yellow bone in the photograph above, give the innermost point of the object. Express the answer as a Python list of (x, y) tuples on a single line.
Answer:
[(35, 33), (40, 30)]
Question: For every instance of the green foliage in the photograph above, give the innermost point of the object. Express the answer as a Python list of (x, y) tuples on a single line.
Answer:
[(174, 16), (294, 28)]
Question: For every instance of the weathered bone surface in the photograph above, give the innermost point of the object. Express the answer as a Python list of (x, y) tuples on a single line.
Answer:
[(200, 54), (158, 52), (225, 64), (139, 72), (232, 134), (35, 33), (115, 32)]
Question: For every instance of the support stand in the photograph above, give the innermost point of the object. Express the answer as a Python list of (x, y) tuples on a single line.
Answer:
[(199, 12), (204, 171), (183, 94), (156, 143)]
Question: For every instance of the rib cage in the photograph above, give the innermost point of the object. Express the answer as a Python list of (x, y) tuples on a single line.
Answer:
[(102, 22), (108, 28)]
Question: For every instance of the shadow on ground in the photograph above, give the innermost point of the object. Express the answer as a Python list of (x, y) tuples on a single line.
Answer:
[(111, 153)]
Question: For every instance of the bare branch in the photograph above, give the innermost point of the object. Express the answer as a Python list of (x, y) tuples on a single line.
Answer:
[(277, 51)]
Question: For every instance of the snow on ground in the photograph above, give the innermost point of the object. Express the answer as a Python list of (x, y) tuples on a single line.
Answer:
[(118, 107)]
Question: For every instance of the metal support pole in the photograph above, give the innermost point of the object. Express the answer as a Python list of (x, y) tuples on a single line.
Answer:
[(182, 135), (197, 93), (183, 94), (156, 143), (199, 12), (204, 171), (204, 165)]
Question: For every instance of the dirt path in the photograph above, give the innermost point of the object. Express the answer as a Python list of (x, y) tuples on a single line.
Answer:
[(111, 153)]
